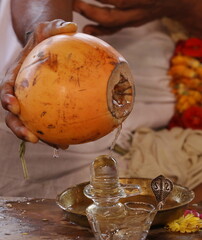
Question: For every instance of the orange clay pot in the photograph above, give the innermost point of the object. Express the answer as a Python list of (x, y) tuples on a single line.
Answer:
[(73, 88)]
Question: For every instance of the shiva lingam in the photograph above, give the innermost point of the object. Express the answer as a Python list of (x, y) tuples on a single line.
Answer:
[(110, 219)]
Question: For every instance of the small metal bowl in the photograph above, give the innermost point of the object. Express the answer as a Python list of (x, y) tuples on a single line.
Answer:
[(74, 202)]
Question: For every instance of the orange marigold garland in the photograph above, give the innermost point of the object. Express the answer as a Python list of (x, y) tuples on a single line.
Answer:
[(186, 83)]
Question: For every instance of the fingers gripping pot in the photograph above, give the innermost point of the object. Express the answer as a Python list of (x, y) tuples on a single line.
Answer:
[(73, 88)]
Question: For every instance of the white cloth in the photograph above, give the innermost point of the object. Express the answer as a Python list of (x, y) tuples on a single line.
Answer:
[(175, 153), (148, 50)]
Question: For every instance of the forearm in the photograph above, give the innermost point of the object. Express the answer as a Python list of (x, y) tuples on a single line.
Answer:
[(27, 13), (138, 12)]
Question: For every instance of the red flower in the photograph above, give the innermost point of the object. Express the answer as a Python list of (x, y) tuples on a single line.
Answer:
[(175, 121), (191, 47), (192, 117), (194, 212)]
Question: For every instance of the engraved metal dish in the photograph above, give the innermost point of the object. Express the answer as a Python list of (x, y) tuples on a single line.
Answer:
[(74, 202)]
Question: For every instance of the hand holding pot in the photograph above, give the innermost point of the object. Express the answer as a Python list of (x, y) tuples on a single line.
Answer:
[(9, 101)]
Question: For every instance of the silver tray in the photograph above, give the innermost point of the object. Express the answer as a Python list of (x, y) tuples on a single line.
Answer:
[(74, 202)]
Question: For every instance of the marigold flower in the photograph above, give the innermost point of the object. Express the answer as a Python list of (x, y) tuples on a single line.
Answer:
[(199, 71), (184, 60), (184, 102), (192, 83), (185, 224), (182, 89), (182, 71), (196, 95)]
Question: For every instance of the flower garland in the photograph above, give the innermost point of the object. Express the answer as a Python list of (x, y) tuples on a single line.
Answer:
[(186, 83)]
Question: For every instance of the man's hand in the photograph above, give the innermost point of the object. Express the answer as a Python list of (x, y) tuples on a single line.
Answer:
[(133, 13), (9, 101)]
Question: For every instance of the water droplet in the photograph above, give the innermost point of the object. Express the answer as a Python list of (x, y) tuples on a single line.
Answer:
[(55, 153)]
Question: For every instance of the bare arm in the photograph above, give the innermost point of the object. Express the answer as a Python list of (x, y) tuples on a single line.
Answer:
[(44, 18), (26, 14), (138, 12)]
